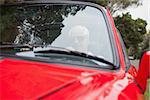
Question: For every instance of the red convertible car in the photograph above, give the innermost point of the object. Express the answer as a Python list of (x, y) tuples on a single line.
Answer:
[(65, 50)]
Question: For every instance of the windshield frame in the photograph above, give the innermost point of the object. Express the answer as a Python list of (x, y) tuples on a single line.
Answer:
[(64, 2)]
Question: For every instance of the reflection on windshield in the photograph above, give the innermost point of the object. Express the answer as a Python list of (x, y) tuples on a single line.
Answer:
[(75, 27)]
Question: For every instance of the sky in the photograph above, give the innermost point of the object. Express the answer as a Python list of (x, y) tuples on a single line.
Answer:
[(142, 11)]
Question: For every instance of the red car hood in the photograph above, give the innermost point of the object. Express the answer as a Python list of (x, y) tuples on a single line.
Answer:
[(23, 79)]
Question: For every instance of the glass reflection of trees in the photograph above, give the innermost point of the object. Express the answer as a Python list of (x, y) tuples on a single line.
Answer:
[(34, 24)]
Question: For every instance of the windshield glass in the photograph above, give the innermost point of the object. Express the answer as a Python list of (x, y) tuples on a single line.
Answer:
[(75, 27)]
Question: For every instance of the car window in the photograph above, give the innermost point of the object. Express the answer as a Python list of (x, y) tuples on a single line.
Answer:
[(75, 27)]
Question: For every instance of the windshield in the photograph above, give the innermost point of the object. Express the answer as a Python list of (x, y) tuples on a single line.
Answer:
[(76, 27)]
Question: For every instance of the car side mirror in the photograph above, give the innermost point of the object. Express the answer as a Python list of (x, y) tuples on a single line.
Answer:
[(144, 70)]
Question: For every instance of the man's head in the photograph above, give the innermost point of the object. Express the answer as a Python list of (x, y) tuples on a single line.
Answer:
[(80, 36)]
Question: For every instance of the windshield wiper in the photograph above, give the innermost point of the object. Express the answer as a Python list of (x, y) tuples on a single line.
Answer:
[(44, 49), (59, 50), (7, 45), (18, 47)]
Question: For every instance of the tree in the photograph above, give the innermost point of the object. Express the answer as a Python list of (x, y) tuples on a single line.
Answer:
[(34, 24), (131, 30), (115, 5), (145, 45)]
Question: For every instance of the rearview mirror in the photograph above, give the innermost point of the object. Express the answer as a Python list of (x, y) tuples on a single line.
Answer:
[(144, 70)]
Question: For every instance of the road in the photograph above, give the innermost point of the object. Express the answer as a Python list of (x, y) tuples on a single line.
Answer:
[(135, 63)]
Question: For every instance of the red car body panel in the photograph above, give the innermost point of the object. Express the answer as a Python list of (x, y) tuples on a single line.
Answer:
[(144, 70), (34, 80), (31, 79)]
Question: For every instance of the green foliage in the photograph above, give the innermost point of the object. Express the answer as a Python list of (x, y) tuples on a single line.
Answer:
[(147, 93), (7, 24), (145, 44), (131, 30), (115, 5), (8, 1), (45, 22)]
